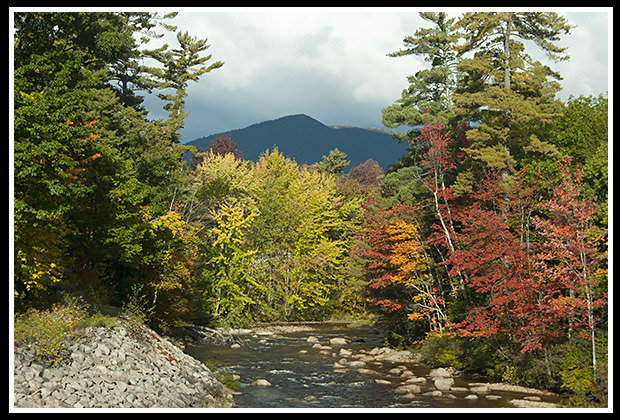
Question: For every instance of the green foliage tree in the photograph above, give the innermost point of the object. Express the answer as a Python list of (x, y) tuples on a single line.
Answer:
[(180, 66), (503, 91), (430, 90), (227, 272), (298, 255), (334, 163), (88, 165)]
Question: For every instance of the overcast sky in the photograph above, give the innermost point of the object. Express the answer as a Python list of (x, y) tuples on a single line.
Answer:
[(331, 64)]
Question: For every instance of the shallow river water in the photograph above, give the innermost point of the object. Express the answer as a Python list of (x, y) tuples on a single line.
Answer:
[(309, 380)]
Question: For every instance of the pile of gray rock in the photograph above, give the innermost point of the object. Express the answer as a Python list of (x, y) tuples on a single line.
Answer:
[(121, 367)]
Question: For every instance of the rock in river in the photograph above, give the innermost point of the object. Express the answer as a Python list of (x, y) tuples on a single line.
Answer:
[(443, 384), (261, 382)]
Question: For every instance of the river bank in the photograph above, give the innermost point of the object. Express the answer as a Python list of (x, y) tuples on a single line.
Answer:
[(122, 367)]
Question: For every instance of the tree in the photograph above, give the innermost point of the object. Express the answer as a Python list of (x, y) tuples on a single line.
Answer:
[(88, 164), (503, 91), (400, 280), (571, 257), (180, 66), (228, 283), (494, 255), (430, 90), (367, 174), (55, 143), (334, 163)]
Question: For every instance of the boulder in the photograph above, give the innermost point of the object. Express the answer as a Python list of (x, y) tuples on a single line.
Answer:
[(406, 389), (345, 352), (312, 339), (443, 384), (416, 380), (440, 373), (389, 355), (261, 382), (395, 371), (338, 341)]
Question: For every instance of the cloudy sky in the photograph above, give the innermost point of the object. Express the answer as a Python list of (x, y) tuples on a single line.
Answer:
[(331, 64)]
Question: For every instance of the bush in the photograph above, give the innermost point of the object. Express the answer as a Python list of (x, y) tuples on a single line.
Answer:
[(441, 350), (48, 331)]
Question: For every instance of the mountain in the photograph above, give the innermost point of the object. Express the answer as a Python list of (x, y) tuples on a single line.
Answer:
[(307, 140)]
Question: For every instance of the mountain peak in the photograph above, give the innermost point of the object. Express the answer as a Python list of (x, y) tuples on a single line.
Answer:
[(305, 139)]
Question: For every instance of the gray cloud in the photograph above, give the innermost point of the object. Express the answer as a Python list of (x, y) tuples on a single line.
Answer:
[(332, 65)]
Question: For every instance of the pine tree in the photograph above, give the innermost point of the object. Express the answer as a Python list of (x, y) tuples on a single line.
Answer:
[(430, 90), (503, 91)]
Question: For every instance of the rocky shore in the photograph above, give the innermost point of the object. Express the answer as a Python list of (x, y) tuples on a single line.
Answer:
[(121, 367)]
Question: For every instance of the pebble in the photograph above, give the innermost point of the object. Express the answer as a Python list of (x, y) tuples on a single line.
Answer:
[(115, 368)]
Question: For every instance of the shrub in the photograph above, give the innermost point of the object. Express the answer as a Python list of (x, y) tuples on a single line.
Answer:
[(48, 331)]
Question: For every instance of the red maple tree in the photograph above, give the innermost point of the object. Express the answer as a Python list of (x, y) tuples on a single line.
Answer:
[(570, 256), (531, 290)]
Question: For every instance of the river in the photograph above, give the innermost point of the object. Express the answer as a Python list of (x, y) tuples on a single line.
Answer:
[(303, 376)]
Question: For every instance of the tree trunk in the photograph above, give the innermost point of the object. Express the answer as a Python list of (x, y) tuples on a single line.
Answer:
[(507, 53)]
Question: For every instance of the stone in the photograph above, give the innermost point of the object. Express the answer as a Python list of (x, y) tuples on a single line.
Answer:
[(261, 382), (312, 339), (436, 393), (389, 355), (443, 384), (531, 404), (345, 352), (416, 380), (411, 388), (338, 341), (440, 372), (471, 397), (356, 364)]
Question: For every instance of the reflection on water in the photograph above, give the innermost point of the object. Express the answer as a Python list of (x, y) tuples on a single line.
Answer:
[(308, 380)]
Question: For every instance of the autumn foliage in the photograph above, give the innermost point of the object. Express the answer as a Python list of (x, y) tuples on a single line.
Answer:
[(519, 260)]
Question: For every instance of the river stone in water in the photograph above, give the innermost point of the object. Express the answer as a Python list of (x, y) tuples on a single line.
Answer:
[(440, 372), (261, 382), (443, 384)]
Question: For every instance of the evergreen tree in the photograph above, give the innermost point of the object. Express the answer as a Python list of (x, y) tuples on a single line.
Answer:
[(503, 91), (334, 163), (430, 90)]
